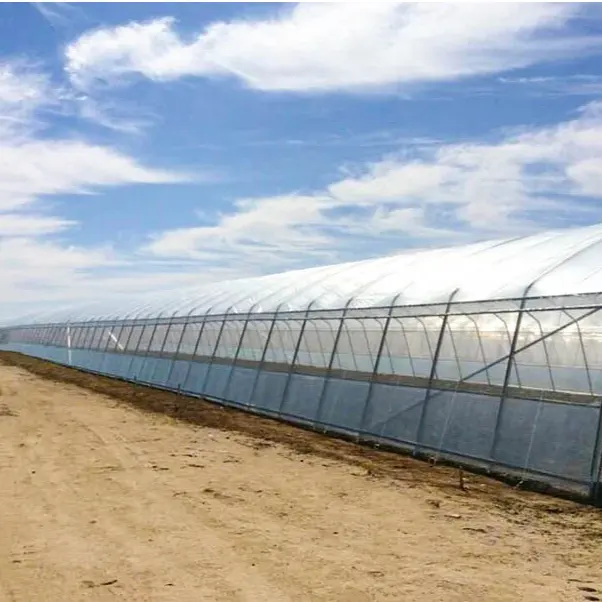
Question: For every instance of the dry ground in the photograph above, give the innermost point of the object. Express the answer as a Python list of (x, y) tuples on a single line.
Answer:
[(105, 494)]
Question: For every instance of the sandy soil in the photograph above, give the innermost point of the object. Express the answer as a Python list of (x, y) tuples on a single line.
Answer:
[(102, 500)]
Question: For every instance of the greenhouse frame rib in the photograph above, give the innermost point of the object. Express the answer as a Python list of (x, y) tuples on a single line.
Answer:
[(507, 383)]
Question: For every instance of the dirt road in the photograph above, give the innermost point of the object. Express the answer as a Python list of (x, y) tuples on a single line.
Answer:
[(102, 501)]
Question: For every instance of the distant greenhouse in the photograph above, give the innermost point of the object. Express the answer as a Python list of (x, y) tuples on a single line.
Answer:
[(488, 354)]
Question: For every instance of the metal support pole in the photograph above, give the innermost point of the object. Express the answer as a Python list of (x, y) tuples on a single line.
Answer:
[(110, 337), (584, 354), (264, 354), (95, 344), (150, 343), (162, 349), (237, 353), (361, 431), (433, 372), (507, 375), (481, 348), (215, 348), (532, 437), (118, 347), (78, 337), (90, 342), (86, 332), (134, 353), (176, 352), (455, 350), (596, 464), (130, 333), (176, 355), (450, 411), (353, 356), (427, 338), (407, 342), (327, 376), (196, 348), (50, 333), (546, 353), (294, 359)]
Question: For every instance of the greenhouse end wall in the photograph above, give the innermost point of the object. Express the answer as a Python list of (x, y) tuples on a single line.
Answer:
[(512, 386)]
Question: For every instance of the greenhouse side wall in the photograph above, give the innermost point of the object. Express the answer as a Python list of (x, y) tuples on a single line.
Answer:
[(510, 387)]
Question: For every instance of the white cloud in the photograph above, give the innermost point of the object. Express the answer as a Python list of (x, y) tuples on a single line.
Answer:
[(286, 225), (19, 88), (16, 224), (34, 164), (111, 117), (575, 84), (23, 92), (36, 167), (445, 193), (342, 46), (59, 14)]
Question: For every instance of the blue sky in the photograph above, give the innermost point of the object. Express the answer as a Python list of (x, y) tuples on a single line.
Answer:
[(156, 146)]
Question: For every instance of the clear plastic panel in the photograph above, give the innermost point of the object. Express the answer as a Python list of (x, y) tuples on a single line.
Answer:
[(61, 337), (254, 340), (87, 337), (358, 344), (590, 334), (48, 333), (93, 329), (229, 339), (114, 333), (209, 337), (409, 346), (124, 337), (97, 338), (105, 337), (190, 338), (549, 354), (172, 338), (317, 343), (472, 347), (283, 342), (145, 338), (134, 338), (156, 344), (76, 335)]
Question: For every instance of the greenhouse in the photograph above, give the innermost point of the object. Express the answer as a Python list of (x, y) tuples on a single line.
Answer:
[(489, 354)]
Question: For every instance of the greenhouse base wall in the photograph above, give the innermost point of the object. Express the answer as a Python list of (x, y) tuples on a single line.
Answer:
[(548, 442)]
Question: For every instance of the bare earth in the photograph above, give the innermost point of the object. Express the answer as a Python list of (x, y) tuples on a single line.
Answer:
[(101, 500)]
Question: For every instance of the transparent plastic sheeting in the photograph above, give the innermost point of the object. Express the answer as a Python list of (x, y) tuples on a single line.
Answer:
[(489, 354), (510, 385), (555, 263)]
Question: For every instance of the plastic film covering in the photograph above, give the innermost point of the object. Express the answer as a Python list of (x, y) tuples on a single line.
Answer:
[(552, 264), (488, 354)]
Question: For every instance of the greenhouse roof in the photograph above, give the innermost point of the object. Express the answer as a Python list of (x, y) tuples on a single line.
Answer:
[(557, 263)]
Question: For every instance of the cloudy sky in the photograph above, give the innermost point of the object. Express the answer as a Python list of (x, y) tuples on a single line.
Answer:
[(147, 147)]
